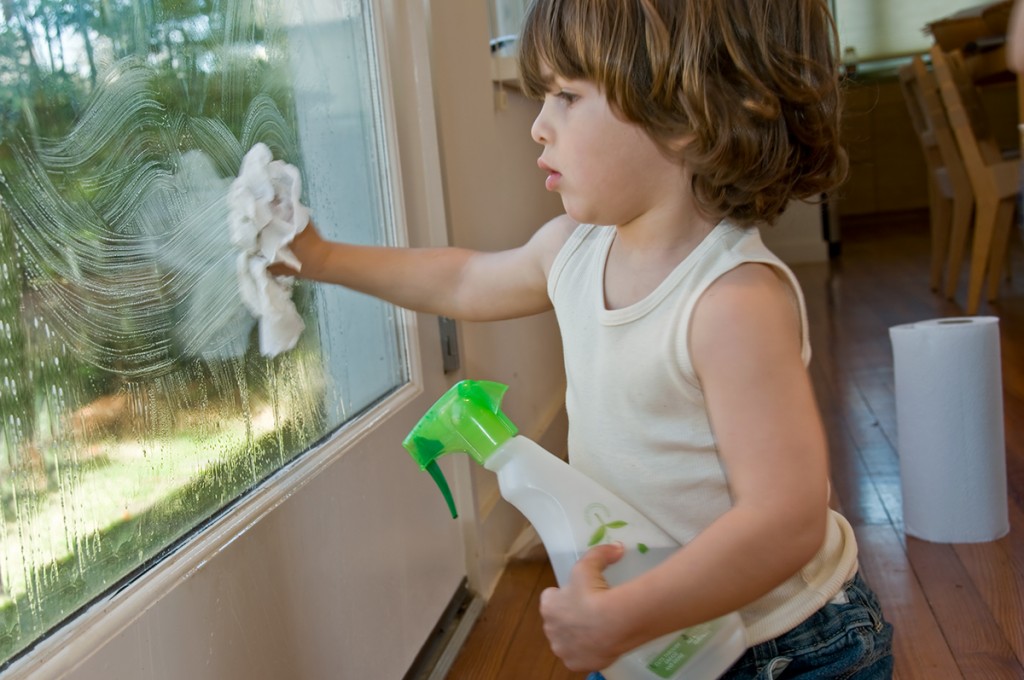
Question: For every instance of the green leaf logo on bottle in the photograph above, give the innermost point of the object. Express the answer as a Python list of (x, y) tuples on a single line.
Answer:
[(598, 515)]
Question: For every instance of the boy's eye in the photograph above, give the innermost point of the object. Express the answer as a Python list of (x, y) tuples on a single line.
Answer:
[(567, 97)]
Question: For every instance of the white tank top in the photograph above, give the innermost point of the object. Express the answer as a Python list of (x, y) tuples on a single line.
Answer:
[(638, 423)]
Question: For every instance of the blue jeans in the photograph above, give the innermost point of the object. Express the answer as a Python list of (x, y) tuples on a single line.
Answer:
[(850, 640)]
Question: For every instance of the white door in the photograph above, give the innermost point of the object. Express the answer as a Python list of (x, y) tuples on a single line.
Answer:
[(173, 504)]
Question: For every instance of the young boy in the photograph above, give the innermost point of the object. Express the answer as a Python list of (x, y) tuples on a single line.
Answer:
[(672, 129)]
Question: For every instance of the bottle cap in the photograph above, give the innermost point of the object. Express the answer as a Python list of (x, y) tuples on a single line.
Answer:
[(468, 419)]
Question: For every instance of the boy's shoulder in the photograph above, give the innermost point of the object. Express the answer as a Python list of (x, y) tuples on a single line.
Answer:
[(551, 237), (558, 230)]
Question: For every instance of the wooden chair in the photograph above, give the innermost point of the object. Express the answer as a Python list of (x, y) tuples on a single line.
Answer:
[(993, 179), (950, 198)]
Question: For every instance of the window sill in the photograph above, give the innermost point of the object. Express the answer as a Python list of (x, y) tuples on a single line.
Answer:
[(505, 70)]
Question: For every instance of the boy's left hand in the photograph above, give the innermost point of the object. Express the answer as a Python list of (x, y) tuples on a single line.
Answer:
[(577, 625)]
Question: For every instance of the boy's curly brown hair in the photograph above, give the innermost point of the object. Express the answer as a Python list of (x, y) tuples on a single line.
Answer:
[(751, 86)]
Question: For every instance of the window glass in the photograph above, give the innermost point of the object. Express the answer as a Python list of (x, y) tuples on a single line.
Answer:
[(881, 29), (506, 20), (134, 403)]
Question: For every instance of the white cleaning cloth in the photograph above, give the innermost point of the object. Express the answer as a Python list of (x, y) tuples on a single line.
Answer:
[(265, 214)]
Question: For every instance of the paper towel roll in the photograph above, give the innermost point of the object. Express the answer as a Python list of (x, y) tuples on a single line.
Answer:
[(949, 419)]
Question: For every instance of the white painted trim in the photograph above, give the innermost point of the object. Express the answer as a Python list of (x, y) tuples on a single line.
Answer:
[(71, 644)]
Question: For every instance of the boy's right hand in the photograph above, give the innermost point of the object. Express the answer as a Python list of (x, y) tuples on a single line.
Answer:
[(309, 247)]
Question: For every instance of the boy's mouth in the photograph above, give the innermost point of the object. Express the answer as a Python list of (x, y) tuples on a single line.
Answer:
[(553, 178), (551, 183)]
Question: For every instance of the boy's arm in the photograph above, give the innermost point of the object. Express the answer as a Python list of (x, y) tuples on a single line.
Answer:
[(454, 282), (745, 342)]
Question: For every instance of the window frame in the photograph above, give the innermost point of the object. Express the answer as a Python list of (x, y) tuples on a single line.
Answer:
[(414, 178)]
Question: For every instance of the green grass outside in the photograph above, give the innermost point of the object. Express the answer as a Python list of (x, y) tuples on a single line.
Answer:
[(169, 500)]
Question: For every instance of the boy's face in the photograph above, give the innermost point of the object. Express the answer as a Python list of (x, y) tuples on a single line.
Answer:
[(607, 170)]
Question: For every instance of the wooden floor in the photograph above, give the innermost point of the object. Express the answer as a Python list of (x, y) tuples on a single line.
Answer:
[(957, 608)]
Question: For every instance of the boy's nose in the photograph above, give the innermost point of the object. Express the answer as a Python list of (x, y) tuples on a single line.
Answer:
[(536, 132), (539, 130)]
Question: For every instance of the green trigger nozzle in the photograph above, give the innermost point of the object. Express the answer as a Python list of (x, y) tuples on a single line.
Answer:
[(467, 419)]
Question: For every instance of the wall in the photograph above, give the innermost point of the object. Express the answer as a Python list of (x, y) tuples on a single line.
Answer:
[(798, 235), (495, 199)]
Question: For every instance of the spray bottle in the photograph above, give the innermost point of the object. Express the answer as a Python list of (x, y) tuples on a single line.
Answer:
[(571, 513)]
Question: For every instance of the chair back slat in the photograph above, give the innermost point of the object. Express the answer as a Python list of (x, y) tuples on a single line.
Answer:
[(964, 109)]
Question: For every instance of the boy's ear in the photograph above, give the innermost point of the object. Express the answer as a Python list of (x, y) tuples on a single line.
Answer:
[(675, 147), (678, 144)]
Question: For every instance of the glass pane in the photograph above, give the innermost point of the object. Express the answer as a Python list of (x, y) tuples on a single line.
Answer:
[(506, 19), (880, 29), (134, 403)]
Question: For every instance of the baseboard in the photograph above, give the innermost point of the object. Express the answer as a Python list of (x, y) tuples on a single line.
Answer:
[(449, 635)]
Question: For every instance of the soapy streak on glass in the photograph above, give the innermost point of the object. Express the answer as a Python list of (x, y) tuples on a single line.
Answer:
[(133, 404), (149, 261)]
